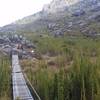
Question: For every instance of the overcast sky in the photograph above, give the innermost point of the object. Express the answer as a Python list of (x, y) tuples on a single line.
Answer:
[(11, 10)]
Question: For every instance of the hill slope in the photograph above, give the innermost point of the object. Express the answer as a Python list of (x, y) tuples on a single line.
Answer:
[(59, 17)]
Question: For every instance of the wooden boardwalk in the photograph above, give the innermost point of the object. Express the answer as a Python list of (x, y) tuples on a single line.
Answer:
[(20, 88)]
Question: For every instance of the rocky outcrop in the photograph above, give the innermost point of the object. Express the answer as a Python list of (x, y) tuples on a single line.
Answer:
[(55, 6), (16, 43)]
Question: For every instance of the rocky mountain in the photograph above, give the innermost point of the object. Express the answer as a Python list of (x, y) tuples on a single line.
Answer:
[(62, 17)]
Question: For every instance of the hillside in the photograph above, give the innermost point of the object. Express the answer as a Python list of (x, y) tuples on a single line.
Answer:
[(61, 17)]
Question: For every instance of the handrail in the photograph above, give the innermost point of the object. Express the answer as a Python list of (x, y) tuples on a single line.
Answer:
[(32, 86)]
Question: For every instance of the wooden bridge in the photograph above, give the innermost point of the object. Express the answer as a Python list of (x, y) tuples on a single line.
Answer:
[(20, 88)]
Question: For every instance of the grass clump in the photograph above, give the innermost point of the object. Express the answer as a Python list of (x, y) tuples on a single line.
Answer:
[(77, 72), (5, 89)]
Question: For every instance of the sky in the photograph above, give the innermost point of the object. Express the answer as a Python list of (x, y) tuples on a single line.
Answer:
[(12, 10)]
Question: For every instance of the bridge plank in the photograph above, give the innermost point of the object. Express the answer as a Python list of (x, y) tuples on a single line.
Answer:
[(20, 88)]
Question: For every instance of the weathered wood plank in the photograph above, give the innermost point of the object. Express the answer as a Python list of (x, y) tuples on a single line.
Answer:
[(20, 88)]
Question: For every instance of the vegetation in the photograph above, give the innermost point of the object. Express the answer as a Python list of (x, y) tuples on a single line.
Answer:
[(5, 89), (69, 68)]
